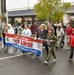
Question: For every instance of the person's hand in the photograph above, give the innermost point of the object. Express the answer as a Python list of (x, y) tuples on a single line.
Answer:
[(35, 38), (51, 40), (46, 40)]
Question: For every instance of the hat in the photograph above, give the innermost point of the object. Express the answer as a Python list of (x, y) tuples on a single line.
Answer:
[(9, 25), (59, 24)]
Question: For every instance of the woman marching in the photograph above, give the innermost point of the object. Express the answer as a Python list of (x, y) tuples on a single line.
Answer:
[(42, 34), (51, 40)]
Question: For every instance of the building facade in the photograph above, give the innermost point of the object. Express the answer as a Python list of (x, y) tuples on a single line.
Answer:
[(69, 14)]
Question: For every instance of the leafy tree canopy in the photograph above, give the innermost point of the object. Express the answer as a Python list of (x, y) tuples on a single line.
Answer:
[(50, 9)]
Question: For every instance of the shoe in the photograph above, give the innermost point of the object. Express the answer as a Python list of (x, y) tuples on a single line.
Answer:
[(5, 49), (61, 47), (56, 47), (36, 57), (54, 60), (67, 48), (21, 53), (69, 59), (46, 62)]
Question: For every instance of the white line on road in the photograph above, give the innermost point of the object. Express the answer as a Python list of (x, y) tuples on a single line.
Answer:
[(11, 57)]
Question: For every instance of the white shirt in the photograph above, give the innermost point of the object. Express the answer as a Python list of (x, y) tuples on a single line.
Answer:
[(60, 32), (11, 31), (26, 32)]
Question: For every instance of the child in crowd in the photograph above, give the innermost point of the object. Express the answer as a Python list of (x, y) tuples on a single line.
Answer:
[(71, 43), (51, 40)]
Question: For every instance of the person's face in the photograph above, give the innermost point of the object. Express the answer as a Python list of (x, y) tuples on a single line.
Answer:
[(41, 27), (68, 25), (8, 27), (49, 25), (50, 31), (72, 32), (58, 27)]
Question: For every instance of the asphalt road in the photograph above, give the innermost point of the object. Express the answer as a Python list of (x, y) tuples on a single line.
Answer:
[(13, 64)]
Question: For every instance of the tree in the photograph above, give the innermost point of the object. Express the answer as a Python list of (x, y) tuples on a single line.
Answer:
[(50, 9)]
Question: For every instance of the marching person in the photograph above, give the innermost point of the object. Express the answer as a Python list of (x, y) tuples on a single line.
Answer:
[(60, 34), (42, 34), (51, 40), (9, 31), (68, 31), (0, 38), (26, 32), (5, 30), (71, 43), (20, 29)]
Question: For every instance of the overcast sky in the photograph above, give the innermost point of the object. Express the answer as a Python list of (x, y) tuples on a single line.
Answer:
[(13, 4)]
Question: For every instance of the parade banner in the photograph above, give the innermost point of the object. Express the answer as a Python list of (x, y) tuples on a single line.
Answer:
[(23, 43)]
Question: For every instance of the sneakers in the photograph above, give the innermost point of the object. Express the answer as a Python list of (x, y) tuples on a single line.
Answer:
[(67, 48), (21, 53), (56, 47), (36, 57), (54, 60), (69, 59), (5, 49), (2, 45), (46, 62)]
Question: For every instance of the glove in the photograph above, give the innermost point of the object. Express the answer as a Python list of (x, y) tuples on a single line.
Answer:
[(35, 38)]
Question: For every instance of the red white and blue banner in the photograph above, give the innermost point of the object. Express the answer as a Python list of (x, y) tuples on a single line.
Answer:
[(23, 43)]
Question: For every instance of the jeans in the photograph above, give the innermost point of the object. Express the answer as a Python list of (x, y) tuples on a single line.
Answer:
[(51, 51), (71, 53)]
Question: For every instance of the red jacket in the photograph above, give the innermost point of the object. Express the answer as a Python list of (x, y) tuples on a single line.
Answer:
[(71, 40), (68, 31)]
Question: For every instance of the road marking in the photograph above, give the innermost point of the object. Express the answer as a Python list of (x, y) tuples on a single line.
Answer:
[(11, 56)]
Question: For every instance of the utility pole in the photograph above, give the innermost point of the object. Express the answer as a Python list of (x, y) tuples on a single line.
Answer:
[(3, 9), (3, 12)]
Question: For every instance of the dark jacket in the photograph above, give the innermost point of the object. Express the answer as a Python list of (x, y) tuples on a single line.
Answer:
[(42, 34), (52, 37)]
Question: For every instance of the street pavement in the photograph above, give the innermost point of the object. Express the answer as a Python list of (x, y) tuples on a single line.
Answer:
[(11, 64)]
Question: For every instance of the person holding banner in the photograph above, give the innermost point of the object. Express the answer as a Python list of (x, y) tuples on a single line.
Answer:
[(5, 30), (51, 40), (9, 31), (0, 39), (26, 31), (42, 34)]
